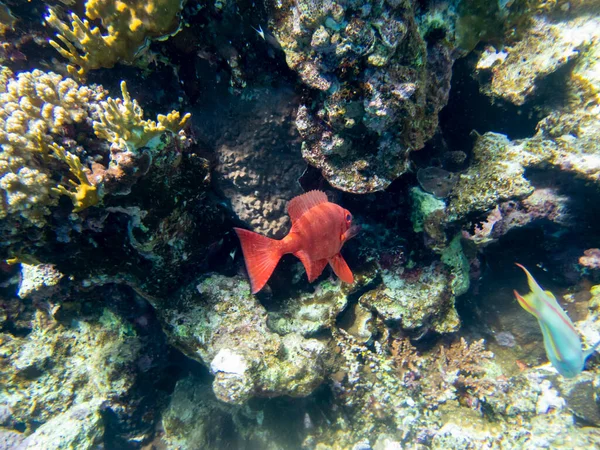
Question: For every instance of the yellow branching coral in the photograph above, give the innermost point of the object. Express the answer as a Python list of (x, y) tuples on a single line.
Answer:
[(85, 194), (128, 24), (34, 109), (97, 52), (122, 122)]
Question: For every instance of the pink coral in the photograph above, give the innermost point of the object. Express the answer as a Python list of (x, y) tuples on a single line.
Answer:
[(591, 258)]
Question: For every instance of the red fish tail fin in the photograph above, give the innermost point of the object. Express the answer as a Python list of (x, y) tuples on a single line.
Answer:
[(261, 255)]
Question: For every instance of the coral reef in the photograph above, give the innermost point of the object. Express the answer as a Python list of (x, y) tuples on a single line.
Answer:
[(546, 47), (495, 175), (542, 204), (38, 282), (128, 25), (591, 258), (379, 86), (564, 137), (39, 112), (126, 320), (258, 159), (307, 314), (121, 122)]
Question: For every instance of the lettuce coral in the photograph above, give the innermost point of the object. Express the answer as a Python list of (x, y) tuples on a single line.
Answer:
[(129, 26)]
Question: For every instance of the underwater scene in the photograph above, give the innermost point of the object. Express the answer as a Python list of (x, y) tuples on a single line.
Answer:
[(299, 224)]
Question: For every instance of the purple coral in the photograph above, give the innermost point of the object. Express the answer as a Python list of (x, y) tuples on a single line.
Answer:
[(544, 203)]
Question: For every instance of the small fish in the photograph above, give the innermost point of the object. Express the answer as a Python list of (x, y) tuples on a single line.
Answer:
[(319, 230), (267, 37), (562, 343), (260, 32)]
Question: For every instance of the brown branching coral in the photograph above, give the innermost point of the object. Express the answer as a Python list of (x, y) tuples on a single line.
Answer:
[(405, 355), (459, 368)]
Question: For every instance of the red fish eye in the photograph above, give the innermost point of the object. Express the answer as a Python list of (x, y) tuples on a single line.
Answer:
[(348, 217)]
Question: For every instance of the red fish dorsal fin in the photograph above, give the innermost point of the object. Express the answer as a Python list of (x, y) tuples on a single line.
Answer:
[(302, 203)]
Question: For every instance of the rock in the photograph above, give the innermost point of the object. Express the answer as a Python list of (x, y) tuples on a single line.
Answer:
[(80, 427), (194, 418), (580, 396), (310, 313), (496, 174), (378, 87), (10, 439), (56, 367), (547, 46), (359, 323), (38, 281), (258, 156)]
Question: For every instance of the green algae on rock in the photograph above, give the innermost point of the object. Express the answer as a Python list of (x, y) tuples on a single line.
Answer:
[(421, 298), (220, 323), (56, 367), (310, 313), (423, 205)]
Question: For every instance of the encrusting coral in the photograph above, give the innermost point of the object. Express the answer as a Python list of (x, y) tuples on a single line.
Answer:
[(128, 24)]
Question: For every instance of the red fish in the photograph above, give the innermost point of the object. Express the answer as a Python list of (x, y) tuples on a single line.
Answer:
[(319, 230)]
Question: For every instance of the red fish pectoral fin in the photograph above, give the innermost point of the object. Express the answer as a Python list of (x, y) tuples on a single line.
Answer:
[(313, 268), (341, 269), (261, 255)]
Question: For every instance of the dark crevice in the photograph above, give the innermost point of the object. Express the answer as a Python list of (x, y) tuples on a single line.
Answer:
[(468, 109)]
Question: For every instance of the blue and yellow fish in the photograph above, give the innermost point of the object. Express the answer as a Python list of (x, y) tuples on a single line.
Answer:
[(561, 340)]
